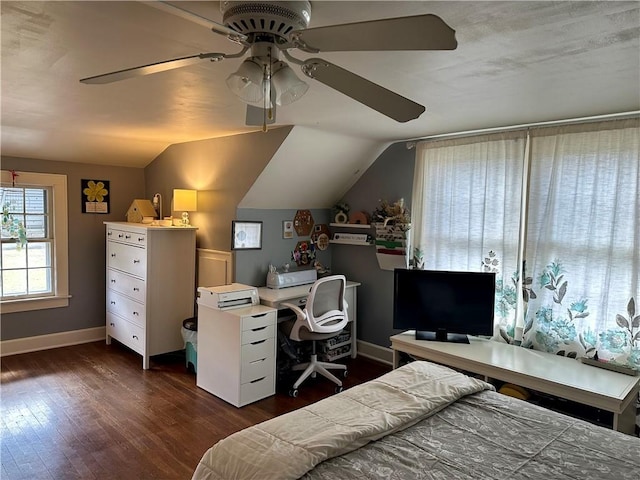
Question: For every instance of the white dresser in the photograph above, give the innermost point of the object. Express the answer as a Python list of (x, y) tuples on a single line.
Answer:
[(150, 286), (237, 353)]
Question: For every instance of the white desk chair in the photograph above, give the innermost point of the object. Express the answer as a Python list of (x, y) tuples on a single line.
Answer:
[(324, 316)]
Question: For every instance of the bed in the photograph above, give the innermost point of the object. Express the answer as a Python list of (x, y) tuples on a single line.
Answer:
[(422, 421)]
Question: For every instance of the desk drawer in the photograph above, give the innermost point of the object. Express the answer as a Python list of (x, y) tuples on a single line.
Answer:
[(258, 321), (258, 350), (257, 334), (299, 301), (256, 390), (250, 371)]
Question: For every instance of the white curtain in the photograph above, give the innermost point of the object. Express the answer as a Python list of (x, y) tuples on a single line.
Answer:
[(465, 209), (583, 241)]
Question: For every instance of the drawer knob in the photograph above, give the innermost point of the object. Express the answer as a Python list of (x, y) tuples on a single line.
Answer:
[(141, 239), (136, 261), (112, 302), (113, 280), (109, 234), (135, 337), (113, 255), (127, 236), (112, 324), (136, 313), (120, 235), (136, 289)]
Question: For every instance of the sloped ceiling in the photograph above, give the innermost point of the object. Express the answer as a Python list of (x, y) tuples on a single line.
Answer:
[(312, 168)]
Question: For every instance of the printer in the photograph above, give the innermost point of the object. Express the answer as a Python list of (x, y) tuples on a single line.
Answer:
[(225, 297), (291, 279)]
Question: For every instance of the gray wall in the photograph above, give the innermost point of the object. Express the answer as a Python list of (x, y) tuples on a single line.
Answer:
[(86, 247), (222, 170), (252, 265), (389, 178)]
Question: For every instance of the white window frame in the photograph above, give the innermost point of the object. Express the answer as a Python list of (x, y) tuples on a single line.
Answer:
[(60, 273)]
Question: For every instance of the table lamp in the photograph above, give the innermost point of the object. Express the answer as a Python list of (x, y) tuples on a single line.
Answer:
[(185, 201)]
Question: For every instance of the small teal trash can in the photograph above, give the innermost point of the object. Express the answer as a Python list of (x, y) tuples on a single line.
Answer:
[(190, 337)]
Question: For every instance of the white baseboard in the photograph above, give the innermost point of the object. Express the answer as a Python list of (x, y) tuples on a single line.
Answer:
[(375, 352), (54, 340)]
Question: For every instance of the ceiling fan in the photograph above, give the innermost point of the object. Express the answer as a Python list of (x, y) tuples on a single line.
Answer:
[(269, 29)]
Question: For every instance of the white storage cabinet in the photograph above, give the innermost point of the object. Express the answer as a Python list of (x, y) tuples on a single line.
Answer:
[(237, 353), (150, 286)]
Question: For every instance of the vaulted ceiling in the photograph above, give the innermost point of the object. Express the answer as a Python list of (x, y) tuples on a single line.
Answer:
[(516, 62)]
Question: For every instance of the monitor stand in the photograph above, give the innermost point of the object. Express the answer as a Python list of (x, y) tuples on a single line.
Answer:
[(441, 336)]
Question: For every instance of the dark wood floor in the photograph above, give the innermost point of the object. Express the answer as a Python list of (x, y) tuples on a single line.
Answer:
[(90, 412)]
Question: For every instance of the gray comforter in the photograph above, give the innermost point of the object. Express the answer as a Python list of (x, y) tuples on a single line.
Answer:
[(423, 421), (490, 436)]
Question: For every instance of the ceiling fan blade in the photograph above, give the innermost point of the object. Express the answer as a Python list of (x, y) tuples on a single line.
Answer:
[(420, 32), (385, 101), (195, 18), (152, 68), (259, 117)]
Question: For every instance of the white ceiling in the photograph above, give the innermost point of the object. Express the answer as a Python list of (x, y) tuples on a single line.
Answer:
[(516, 62)]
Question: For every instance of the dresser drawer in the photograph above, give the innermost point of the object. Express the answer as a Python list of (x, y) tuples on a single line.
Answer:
[(129, 237), (259, 320), (127, 258), (133, 287), (263, 367), (126, 307), (258, 350), (125, 332), (257, 389), (257, 334)]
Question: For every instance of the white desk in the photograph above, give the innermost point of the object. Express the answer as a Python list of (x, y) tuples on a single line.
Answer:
[(544, 372), (273, 297)]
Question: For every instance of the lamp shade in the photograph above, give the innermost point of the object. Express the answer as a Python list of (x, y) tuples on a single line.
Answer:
[(246, 82), (185, 200), (287, 85)]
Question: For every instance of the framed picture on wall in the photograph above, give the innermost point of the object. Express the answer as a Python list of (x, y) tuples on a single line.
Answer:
[(246, 235), (95, 196), (287, 229)]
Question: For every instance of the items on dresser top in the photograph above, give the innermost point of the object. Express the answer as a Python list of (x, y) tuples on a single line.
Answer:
[(148, 296), (225, 297), (287, 279)]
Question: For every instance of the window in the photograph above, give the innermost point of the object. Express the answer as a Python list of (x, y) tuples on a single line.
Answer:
[(34, 275), (578, 235)]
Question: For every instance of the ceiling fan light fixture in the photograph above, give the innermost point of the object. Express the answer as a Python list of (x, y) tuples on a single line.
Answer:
[(287, 85), (246, 82)]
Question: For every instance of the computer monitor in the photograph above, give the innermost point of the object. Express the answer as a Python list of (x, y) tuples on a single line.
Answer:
[(444, 305)]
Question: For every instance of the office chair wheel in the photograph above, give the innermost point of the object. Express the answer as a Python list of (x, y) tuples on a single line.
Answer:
[(344, 374), (339, 389), (293, 392)]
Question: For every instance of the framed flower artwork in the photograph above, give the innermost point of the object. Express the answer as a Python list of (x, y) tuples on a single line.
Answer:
[(95, 196)]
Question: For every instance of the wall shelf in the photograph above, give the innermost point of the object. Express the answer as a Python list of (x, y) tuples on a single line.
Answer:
[(351, 242), (350, 225)]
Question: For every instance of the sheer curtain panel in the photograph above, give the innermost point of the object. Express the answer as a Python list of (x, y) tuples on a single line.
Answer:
[(583, 241), (466, 203)]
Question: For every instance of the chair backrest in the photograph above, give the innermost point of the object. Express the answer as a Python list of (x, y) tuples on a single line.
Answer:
[(326, 308)]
